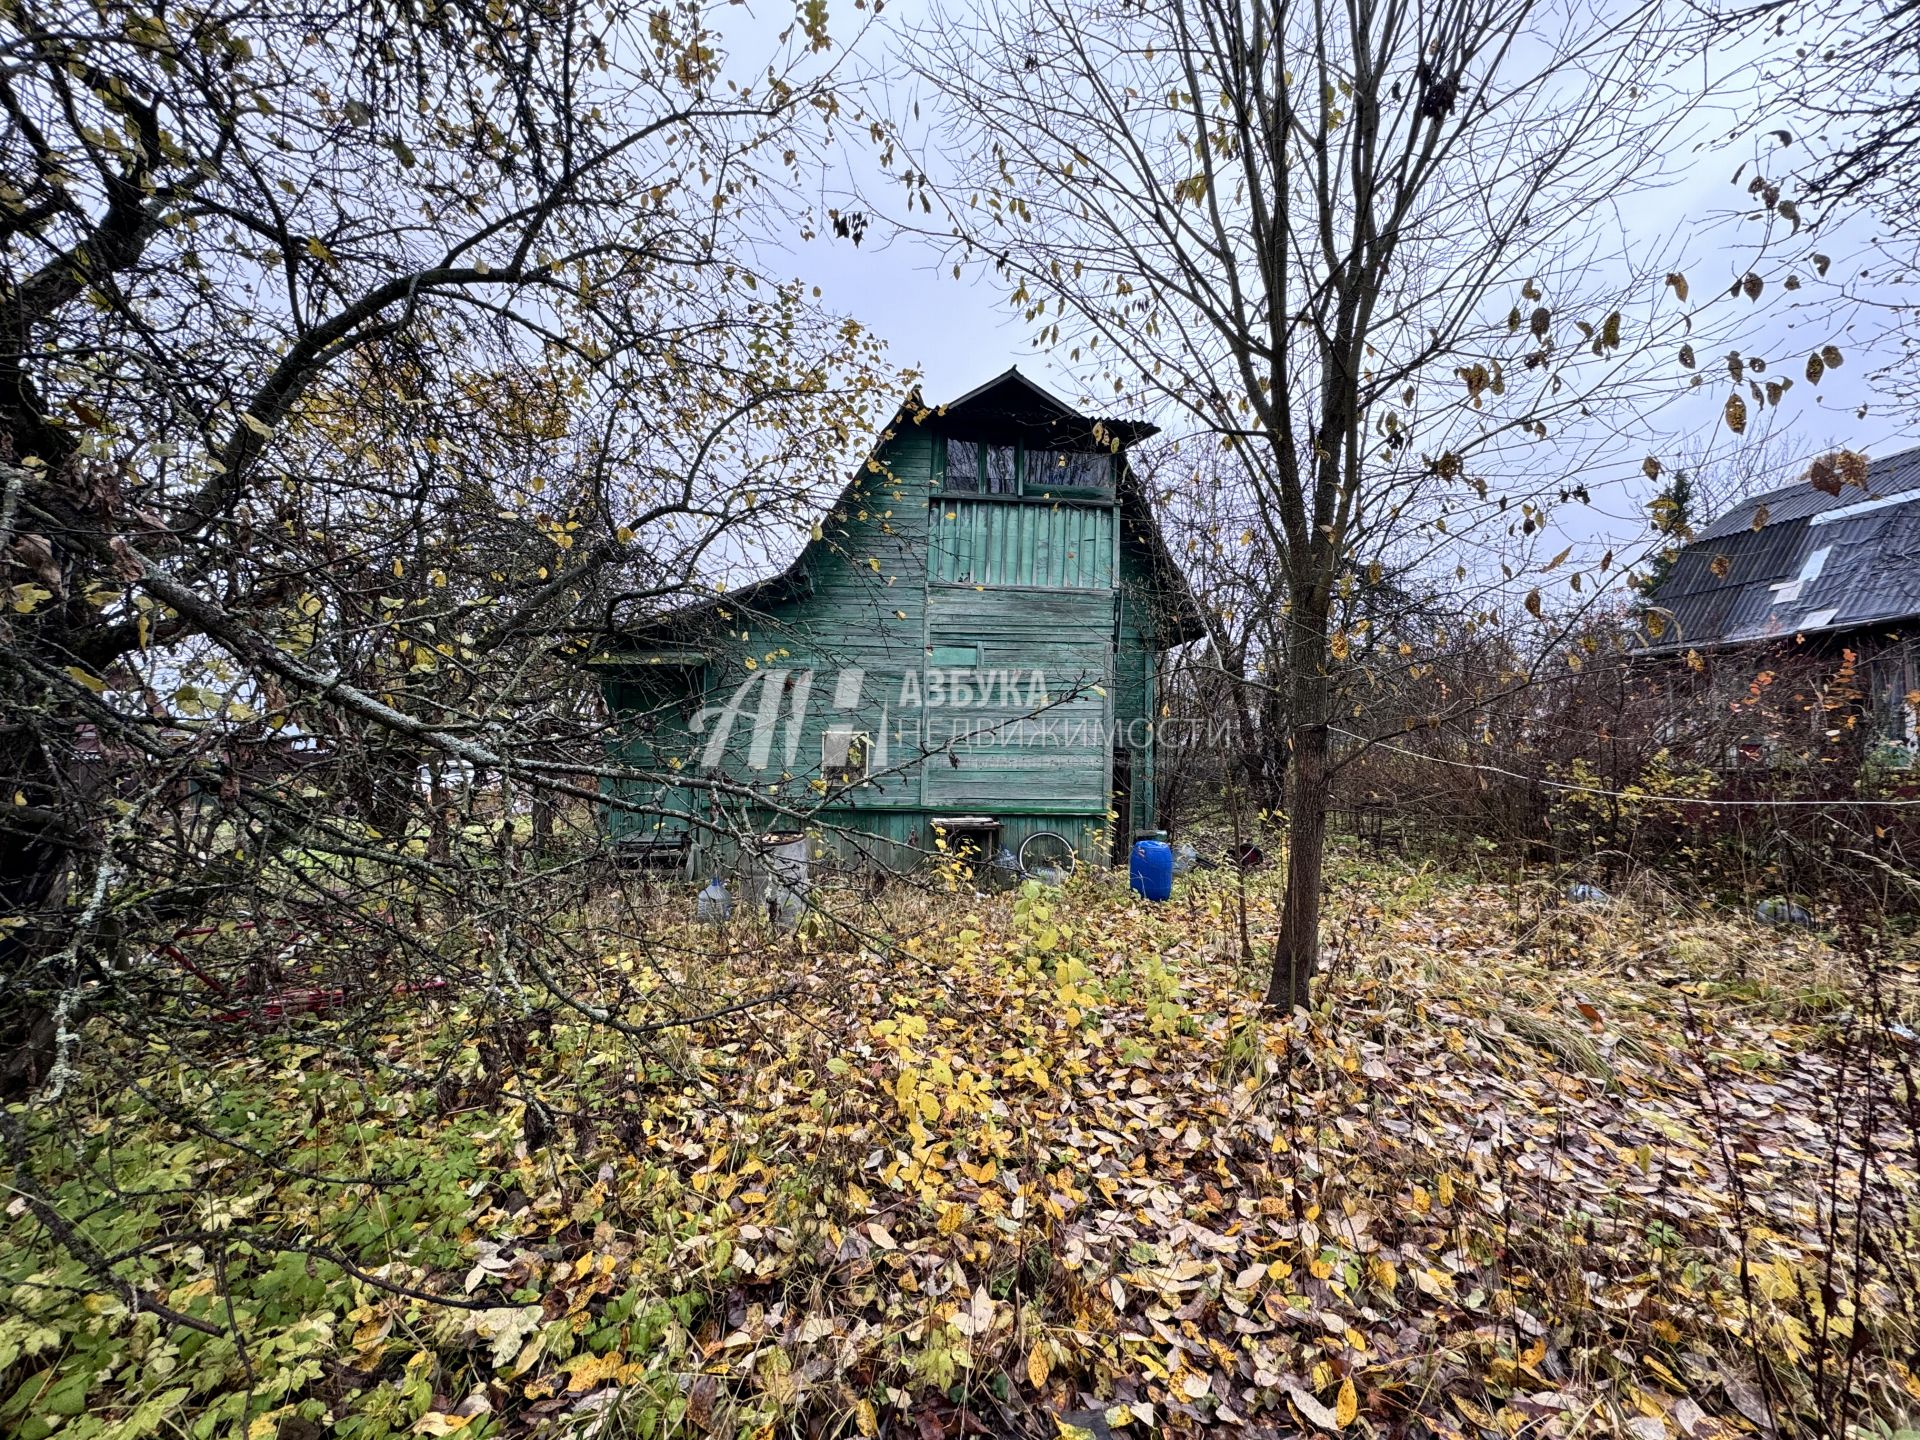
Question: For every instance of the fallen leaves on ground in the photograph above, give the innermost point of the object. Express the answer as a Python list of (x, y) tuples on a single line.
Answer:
[(1041, 1166)]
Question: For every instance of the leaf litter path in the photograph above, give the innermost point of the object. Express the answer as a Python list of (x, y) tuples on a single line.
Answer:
[(1065, 1177)]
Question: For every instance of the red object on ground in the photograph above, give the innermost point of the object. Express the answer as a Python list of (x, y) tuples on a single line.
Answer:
[(284, 1004), (278, 1004)]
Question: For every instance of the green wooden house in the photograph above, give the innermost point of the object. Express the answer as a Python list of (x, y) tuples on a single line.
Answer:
[(966, 649)]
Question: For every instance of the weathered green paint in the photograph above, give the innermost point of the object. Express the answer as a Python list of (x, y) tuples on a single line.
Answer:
[(1018, 542), (992, 651)]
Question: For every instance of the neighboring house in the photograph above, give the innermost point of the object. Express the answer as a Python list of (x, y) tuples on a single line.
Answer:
[(1801, 573), (966, 650)]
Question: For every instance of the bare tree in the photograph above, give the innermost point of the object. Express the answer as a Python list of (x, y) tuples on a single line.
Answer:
[(1852, 75), (1372, 250)]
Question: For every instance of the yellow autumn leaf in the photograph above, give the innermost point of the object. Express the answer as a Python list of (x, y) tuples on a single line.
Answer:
[(864, 1418), (1433, 1282), (1347, 1406), (1039, 1365), (590, 1371)]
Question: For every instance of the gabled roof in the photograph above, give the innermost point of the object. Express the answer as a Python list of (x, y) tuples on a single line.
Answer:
[(1817, 562), (1018, 407), (1008, 406)]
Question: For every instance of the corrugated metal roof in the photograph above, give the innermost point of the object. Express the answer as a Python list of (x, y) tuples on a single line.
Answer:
[(1895, 475), (1818, 562), (1893, 589)]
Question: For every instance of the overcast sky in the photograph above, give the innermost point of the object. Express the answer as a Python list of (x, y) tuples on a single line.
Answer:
[(960, 333)]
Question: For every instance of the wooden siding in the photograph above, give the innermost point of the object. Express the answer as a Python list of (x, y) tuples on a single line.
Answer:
[(1000, 756), (857, 634), (1134, 683), (1021, 543), (905, 596), (651, 706)]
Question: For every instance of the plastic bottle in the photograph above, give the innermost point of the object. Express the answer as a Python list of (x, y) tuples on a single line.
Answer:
[(714, 903)]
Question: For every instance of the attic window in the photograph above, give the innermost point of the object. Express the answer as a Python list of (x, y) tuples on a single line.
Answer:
[(1067, 470), (975, 467)]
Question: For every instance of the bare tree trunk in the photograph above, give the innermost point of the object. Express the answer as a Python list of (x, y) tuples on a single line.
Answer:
[(543, 815), (439, 807), (1296, 951)]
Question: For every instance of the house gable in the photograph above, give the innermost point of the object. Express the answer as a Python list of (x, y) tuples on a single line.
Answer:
[(936, 649)]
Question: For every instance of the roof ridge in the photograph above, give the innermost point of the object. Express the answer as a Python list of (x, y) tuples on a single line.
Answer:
[(1012, 372), (1899, 460)]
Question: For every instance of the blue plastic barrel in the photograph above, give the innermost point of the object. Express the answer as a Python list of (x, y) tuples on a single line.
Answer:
[(1150, 870)]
